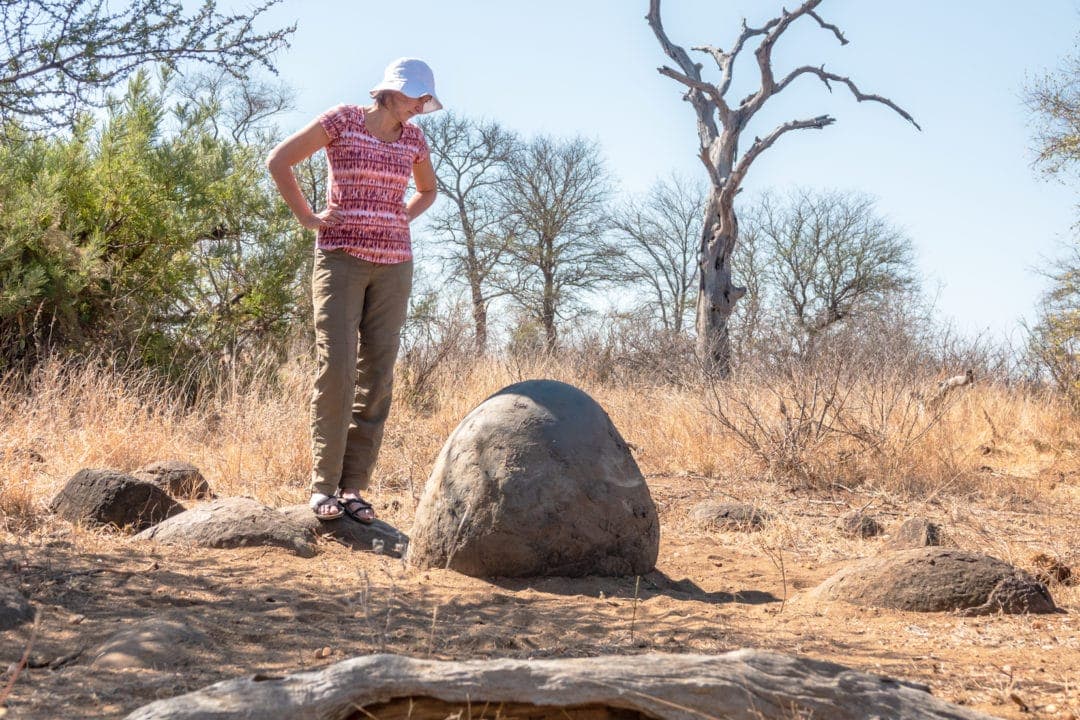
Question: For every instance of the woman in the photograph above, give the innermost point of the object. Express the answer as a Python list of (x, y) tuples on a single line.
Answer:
[(363, 271)]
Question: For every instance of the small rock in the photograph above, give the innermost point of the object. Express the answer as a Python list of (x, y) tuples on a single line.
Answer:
[(233, 522), (15, 609), (155, 643), (916, 532), (107, 497), (324, 653), (1051, 571), (861, 525), (179, 479), (738, 517)]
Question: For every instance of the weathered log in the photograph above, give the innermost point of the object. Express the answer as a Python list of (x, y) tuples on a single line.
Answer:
[(741, 684)]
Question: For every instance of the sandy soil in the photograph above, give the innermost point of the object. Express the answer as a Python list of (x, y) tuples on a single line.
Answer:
[(266, 611)]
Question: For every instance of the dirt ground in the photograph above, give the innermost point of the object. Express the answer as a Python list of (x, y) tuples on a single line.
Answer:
[(266, 611)]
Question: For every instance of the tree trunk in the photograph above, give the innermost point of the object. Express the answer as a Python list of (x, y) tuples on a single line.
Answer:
[(479, 312), (740, 685), (717, 294)]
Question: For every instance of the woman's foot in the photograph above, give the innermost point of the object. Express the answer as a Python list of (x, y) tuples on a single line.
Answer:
[(326, 507), (356, 507)]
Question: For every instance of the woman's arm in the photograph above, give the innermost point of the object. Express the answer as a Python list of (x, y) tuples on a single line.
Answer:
[(424, 178), (291, 151)]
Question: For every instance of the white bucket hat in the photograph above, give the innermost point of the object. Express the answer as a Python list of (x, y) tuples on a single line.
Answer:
[(410, 77)]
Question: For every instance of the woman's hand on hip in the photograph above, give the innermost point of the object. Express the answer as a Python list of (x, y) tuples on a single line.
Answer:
[(331, 216)]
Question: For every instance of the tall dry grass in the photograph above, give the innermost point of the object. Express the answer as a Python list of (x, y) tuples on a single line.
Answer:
[(248, 432)]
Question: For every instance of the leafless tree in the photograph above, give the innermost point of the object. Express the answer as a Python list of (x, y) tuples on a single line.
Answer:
[(720, 127), (826, 257), (59, 56), (556, 193), (470, 159), (660, 235)]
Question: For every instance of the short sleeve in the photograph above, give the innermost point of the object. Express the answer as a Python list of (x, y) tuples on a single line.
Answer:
[(422, 150), (334, 121)]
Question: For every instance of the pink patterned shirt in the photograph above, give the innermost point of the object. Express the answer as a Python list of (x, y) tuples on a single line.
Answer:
[(368, 179)]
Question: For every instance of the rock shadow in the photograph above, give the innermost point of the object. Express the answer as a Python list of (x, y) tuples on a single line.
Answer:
[(653, 584)]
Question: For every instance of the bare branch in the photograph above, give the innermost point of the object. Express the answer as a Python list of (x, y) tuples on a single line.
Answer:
[(826, 76), (835, 30), (762, 144), (704, 102)]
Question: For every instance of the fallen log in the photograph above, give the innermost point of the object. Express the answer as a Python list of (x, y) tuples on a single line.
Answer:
[(744, 684)]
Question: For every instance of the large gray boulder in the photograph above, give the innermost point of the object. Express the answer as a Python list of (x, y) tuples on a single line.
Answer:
[(536, 481), (934, 579), (107, 497), (233, 522)]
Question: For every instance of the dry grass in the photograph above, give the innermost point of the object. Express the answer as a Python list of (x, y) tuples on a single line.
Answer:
[(251, 437), (996, 468)]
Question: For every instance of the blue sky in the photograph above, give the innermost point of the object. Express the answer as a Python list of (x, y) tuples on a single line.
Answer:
[(981, 218)]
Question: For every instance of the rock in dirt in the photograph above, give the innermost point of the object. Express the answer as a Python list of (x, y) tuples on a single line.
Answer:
[(15, 609), (860, 525), (1051, 570), (151, 643), (536, 481), (938, 579), (107, 497), (378, 537), (915, 532), (232, 522), (737, 517), (740, 685), (179, 479)]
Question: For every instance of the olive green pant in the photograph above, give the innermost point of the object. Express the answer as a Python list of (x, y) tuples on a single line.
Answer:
[(360, 308)]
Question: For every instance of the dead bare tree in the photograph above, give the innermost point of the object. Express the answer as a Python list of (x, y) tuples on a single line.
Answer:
[(470, 159), (720, 126)]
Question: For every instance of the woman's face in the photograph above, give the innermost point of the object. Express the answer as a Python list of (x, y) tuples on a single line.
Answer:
[(404, 107)]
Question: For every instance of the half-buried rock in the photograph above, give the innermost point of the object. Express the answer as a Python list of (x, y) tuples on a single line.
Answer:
[(232, 522), (536, 481), (107, 497), (935, 579)]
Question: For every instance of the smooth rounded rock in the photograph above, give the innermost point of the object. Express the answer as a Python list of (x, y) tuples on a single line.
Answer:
[(536, 481), (937, 579)]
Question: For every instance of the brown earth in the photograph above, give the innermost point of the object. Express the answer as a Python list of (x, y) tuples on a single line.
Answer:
[(269, 612)]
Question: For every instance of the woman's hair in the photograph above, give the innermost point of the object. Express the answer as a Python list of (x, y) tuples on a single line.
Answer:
[(380, 97)]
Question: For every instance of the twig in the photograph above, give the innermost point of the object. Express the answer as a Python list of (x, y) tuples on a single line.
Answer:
[(633, 616), (431, 637), (22, 663)]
